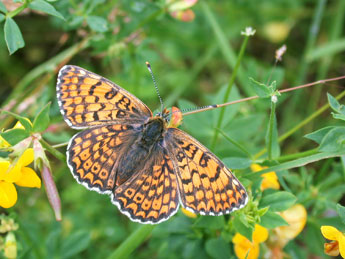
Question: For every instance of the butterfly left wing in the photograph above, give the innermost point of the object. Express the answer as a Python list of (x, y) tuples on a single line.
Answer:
[(206, 186), (150, 195), (93, 153)]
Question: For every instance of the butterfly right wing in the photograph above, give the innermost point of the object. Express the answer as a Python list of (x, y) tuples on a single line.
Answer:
[(206, 185), (86, 99)]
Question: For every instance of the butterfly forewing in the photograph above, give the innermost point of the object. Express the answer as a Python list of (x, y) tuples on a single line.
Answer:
[(206, 185), (87, 99)]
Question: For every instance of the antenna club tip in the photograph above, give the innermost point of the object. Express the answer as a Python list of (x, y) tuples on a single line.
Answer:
[(147, 64)]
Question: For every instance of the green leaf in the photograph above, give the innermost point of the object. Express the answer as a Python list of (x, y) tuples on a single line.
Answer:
[(75, 243), (242, 226), (2, 17), (14, 136), (334, 140), (13, 36), (341, 212), (24, 121), (318, 135), (338, 116), (97, 23), (41, 122), (210, 222), (237, 162), (278, 201), (297, 163), (333, 103), (43, 6), (272, 220), (3, 7), (218, 248), (272, 141), (260, 89)]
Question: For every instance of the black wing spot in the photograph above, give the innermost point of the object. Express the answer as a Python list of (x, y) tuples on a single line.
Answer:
[(110, 94)]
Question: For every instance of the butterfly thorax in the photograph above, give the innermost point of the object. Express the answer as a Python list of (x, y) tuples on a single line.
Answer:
[(137, 155), (152, 131)]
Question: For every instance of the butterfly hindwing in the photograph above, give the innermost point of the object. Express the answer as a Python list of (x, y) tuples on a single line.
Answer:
[(206, 185), (150, 195), (87, 99), (93, 153)]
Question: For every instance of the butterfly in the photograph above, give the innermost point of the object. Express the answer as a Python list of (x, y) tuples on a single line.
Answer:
[(147, 167)]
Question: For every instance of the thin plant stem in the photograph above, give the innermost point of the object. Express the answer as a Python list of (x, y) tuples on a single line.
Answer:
[(215, 106), (18, 10), (294, 156), (60, 145), (235, 143), (228, 90), (270, 130), (336, 29), (132, 242), (52, 150), (226, 49)]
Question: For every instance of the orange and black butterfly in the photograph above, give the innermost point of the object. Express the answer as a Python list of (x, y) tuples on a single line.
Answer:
[(147, 167)]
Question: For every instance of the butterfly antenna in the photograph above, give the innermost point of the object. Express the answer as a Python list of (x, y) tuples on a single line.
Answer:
[(155, 84), (192, 109)]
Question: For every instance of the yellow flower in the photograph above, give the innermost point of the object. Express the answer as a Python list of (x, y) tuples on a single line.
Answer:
[(19, 174), (337, 243), (188, 213), (277, 31), (10, 249), (3, 142), (245, 248), (296, 217), (270, 179)]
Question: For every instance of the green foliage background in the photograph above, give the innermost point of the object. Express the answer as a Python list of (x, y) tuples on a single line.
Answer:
[(193, 63)]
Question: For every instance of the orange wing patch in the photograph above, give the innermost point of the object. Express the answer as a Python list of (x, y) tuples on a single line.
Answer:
[(205, 185), (87, 99), (150, 196), (93, 153)]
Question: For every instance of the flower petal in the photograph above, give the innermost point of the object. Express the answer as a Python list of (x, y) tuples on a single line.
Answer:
[(270, 180), (331, 248), (341, 241), (29, 178), (331, 233), (260, 234), (4, 143), (9, 173), (4, 165), (296, 216), (257, 167), (27, 157), (188, 213), (8, 194)]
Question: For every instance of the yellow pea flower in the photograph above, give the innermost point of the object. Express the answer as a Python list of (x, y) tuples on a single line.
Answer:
[(296, 217), (270, 179), (245, 248), (18, 174), (277, 31), (188, 213), (337, 244)]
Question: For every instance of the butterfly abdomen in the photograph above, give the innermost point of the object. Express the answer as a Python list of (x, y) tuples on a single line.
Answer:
[(138, 153)]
